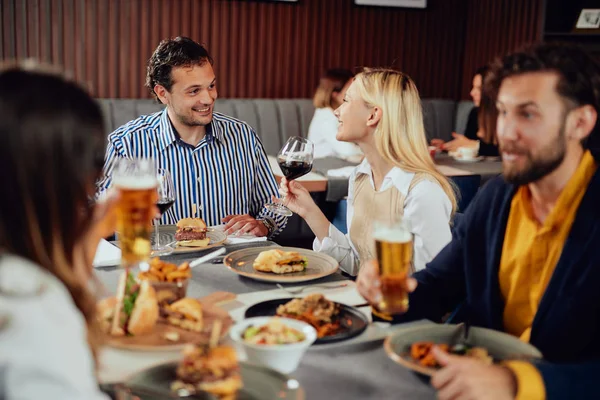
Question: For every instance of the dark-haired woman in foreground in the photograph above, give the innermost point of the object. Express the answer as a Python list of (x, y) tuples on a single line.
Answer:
[(51, 154)]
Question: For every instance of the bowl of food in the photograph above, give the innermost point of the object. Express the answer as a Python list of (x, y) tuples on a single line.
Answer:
[(278, 343), (168, 280)]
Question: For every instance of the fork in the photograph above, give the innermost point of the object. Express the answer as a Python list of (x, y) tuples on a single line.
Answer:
[(300, 290)]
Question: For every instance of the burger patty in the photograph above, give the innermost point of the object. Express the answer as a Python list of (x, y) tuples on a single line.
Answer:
[(193, 376), (182, 235)]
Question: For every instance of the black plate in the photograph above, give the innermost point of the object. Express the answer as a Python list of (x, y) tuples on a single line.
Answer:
[(259, 383), (353, 322)]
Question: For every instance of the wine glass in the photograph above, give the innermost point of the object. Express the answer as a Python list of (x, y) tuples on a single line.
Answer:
[(166, 198), (295, 159)]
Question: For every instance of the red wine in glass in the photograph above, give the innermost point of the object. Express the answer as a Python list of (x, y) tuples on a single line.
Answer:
[(166, 199), (164, 204), (295, 160), (294, 169)]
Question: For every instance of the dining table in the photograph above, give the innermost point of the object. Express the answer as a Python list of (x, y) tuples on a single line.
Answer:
[(356, 369), (333, 173)]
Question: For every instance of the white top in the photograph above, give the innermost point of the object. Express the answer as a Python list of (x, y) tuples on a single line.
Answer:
[(43, 347), (322, 131), (427, 208)]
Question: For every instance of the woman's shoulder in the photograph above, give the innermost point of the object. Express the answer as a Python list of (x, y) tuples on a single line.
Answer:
[(22, 278), (42, 326), (36, 301), (426, 186)]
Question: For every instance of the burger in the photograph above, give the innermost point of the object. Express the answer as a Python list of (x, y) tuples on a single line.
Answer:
[(134, 311), (185, 313), (210, 369), (280, 262), (191, 232)]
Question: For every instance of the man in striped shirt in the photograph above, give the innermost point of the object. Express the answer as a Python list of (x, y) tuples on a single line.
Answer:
[(218, 163)]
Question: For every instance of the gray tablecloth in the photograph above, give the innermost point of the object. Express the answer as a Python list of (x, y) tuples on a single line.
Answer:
[(208, 278), (338, 373)]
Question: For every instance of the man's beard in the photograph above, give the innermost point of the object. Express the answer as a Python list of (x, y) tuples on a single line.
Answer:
[(550, 158), (190, 121)]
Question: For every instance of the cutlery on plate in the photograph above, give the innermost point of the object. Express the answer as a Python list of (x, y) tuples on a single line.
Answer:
[(300, 290), (207, 257)]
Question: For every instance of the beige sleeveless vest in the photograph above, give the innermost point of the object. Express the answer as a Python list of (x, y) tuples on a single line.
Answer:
[(370, 205)]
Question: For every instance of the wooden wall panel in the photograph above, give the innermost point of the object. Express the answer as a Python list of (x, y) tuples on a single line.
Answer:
[(496, 27), (264, 48)]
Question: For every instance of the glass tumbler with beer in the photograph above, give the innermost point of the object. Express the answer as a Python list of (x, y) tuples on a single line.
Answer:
[(394, 247), (137, 182)]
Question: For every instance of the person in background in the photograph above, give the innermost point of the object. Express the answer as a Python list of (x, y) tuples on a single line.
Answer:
[(381, 112), (487, 117), (324, 125), (524, 259), (475, 134), (49, 232), (219, 166)]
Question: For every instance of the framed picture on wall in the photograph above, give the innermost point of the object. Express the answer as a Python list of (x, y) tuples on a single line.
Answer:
[(589, 18), (393, 3)]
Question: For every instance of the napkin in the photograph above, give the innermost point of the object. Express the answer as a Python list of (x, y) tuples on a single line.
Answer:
[(241, 238), (343, 172), (245, 239), (107, 255)]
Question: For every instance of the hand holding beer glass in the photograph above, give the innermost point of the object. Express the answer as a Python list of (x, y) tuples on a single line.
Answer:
[(136, 181), (394, 246)]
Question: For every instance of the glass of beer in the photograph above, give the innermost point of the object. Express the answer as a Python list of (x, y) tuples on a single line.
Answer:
[(394, 247), (137, 182)]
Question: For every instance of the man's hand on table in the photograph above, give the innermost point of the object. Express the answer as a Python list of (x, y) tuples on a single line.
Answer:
[(464, 378), (244, 224)]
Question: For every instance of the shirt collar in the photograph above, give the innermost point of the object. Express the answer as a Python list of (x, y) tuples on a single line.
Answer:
[(396, 176), (576, 184), (167, 134)]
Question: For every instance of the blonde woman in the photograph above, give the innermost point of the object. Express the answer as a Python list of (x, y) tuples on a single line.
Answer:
[(381, 112), (323, 127)]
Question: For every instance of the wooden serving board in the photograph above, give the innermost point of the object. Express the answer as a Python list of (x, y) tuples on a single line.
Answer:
[(156, 341)]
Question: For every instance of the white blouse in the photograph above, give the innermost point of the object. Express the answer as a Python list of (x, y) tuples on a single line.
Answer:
[(427, 208), (322, 131), (44, 352)]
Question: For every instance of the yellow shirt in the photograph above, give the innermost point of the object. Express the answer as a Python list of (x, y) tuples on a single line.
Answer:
[(529, 255)]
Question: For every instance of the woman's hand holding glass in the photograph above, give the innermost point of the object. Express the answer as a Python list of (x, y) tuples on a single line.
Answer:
[(295, 197)]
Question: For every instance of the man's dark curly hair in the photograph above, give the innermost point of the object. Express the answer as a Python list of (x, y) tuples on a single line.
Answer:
[(178, 52), (579, 74)]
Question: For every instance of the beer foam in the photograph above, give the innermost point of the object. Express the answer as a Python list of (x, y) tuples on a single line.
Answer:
[(135, 182), (392, 235)]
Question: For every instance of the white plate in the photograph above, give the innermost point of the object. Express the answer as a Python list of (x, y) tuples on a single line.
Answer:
[(469, 160), (319, 265), (167, 235)]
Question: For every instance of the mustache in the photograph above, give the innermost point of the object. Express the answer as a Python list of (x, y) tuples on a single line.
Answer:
[(513, 148)]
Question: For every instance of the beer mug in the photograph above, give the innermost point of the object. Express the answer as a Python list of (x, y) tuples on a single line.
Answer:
[(137, 183), (394, 247)]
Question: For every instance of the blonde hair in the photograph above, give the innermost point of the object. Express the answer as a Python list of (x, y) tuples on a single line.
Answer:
[(400, 134), (333, 81)]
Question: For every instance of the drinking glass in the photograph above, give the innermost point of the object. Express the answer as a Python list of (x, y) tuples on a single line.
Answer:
[(165, 200), (295, 159), (394, 247), (137, 183)]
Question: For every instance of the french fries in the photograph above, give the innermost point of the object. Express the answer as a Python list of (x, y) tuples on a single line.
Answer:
[(161, 271)]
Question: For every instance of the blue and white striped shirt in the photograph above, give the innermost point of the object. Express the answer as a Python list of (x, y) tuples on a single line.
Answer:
[(226, 173)]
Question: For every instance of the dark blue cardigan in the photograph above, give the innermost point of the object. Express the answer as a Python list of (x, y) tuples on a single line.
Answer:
[(566, 327)]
